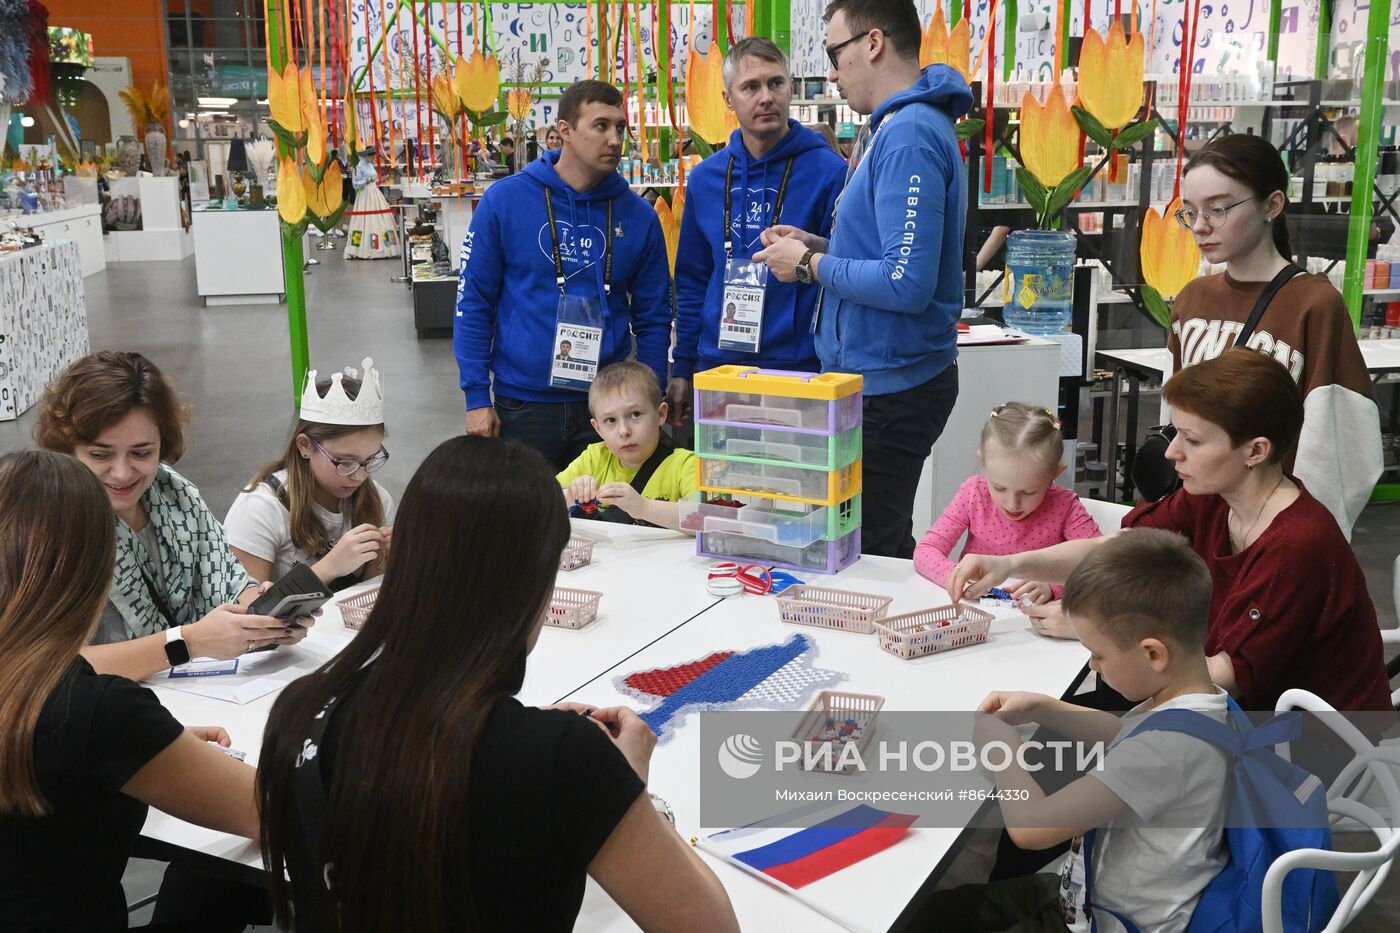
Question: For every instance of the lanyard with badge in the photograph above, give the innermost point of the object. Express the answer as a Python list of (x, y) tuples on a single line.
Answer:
[(578, 322), (745, 281), (865, 142)]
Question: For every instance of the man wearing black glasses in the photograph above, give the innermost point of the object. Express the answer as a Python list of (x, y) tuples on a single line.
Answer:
[(892, 271)]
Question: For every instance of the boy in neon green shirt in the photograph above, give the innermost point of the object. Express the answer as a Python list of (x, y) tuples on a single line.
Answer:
[(628, 412)]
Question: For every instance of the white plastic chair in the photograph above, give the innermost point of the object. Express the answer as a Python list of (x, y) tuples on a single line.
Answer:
[(1109, 515), (1372, 766)]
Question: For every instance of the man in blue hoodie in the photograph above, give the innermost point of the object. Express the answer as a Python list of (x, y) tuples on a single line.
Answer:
[(773, 165), (563, 251), (892, 272)]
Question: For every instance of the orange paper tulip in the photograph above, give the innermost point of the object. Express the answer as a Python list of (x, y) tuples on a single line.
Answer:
[(940, 46), (518, 103), (291, 192), (708, 115), (670, 216), (1049, 138), (1110, 76), (1169, 254), (478, 81), (283, 100), (445, 99)]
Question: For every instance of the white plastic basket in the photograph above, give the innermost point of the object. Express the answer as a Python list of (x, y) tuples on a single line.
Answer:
[(928, 631), (577, 553), (836, 711), (354, 610), (830, 608), (570, 608)]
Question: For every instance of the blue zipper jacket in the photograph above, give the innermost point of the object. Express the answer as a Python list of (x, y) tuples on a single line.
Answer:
[(892, 276), (786, 339), (507, 298)]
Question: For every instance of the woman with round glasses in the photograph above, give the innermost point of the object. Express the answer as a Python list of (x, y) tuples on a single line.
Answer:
[(178, 592), (1233, 195), (316, 503)]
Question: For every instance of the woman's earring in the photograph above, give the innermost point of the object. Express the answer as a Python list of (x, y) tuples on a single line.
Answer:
[(1249, 466), (1268, 220)]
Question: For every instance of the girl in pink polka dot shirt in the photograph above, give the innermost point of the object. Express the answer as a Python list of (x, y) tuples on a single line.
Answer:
[(1014, 504)]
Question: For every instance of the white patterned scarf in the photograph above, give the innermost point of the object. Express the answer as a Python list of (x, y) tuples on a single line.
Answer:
[(198, 570)]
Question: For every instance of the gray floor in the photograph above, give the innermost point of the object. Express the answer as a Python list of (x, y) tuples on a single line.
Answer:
[(232, 365)]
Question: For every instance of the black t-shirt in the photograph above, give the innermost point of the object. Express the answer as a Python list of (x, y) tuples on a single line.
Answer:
[(63, 871), (547, 789)]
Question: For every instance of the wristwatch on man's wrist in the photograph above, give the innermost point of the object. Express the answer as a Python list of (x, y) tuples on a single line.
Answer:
[(804, 267), (177, 650)]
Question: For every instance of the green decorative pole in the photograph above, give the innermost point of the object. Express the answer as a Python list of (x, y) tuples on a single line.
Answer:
[(277, 44), (1010, 14), (1275, 20), (954, 12), (1368, 130), (1324, 39), (780, 23)]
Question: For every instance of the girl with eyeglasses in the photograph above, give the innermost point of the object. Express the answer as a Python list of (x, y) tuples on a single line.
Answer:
[(1233, 194), (177, 590), (316, 503)]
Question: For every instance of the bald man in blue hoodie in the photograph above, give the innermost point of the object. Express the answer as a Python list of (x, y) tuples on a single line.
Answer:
[(561, 251), (892, 272), (774, 170)]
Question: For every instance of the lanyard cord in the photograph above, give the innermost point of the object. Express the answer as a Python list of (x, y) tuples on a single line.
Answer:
[(729, 246), (558, 257)]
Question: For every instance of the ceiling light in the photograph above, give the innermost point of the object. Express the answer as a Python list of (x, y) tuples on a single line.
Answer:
[(26, 120)]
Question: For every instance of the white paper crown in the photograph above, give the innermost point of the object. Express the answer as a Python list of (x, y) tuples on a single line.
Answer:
[(336, 407)]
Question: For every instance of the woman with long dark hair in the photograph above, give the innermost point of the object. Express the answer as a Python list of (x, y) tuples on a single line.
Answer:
[(82, 754), (402, 785), (1234, 196)]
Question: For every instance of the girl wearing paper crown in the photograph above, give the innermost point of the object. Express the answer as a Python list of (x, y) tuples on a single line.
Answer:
[(316, 503)]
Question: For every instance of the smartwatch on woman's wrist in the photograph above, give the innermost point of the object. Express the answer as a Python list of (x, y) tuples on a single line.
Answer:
[(177, 651)]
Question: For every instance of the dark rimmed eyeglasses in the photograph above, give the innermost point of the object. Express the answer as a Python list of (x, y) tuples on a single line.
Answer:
[(1215, 216), (833, 52), (351, 467)]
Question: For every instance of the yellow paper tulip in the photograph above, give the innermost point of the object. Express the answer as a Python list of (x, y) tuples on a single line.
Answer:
[(282, 98), (670, 217), (352, 127), (1169, 254), (706, 112), (478, 81), (315, 130), (518, 103), (291, 194), (940, 46), (332, 188), (1110, 76), (315, 201), (445, 99), (1049, 138)]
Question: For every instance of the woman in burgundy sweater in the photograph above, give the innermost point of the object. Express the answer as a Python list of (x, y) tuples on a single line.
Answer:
[(1290, 606)]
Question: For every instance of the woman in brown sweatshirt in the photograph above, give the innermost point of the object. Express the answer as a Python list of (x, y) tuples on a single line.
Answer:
[(1233, 194)]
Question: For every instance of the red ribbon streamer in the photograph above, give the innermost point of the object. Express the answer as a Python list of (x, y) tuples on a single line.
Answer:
[(1188, 53), (417, 94), (991, 83)]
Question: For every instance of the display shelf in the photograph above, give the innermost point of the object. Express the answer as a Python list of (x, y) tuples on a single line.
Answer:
[(1381, 292)]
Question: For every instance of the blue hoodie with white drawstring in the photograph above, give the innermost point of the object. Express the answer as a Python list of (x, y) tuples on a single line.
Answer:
[(893, 272), (785, 339), (507, 297)]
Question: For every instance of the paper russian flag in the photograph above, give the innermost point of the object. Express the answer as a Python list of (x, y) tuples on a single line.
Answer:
[(798, 857)]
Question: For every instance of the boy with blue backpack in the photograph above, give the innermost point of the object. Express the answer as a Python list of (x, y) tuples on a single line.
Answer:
[(1161, 837)]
